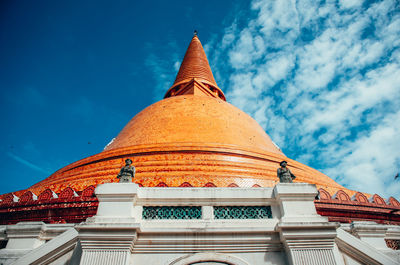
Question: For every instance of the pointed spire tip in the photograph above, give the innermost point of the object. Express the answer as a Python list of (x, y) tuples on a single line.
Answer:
[(195, 66)]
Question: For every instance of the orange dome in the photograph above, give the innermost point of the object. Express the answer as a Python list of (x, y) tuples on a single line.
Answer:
[(191, 138), (194, 120)]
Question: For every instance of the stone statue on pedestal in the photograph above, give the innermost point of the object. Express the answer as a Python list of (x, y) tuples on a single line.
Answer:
[(284, 174), (127, 173)]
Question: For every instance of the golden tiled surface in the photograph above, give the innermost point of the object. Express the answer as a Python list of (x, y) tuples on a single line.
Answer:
[(193, 119), (173, 165), (195, 65)]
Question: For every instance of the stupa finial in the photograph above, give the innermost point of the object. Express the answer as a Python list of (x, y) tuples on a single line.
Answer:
[(195, 66)]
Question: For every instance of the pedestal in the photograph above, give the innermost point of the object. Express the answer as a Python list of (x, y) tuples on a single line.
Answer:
[(109, 236), (308, 237)]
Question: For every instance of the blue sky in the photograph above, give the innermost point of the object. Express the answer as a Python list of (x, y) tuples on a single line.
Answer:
[(322, 78)]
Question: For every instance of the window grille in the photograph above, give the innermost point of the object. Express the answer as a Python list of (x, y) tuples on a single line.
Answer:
[(242, 212), (171, 212)]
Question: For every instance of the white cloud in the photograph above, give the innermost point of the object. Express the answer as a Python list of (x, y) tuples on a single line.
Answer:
[(323, 80), (345, 4), (372, 160), (177, 65), (278, 68), (229, 36), (247, 49)]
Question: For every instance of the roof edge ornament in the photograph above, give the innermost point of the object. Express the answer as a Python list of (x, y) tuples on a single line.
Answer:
[(195, 66)]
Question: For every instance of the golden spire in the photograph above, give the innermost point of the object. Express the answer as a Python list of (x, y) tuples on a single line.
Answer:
[(195, 76)]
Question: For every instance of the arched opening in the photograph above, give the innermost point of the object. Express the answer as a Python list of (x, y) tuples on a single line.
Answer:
[(209, 259), (209, 263)]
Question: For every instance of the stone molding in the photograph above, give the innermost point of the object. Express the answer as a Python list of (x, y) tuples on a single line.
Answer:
[(361, 251), (98, 236), (312, 242), (371, 233), (3, 235), (308, 235), (51, 251), (393, 232), (296, 202), (116, 202), (25, 236)]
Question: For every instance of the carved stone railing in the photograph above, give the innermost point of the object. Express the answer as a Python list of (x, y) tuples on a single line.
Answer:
[(171, 212), (242, 212)]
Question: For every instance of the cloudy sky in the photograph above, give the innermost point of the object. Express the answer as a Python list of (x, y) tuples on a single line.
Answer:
[(322, 78)]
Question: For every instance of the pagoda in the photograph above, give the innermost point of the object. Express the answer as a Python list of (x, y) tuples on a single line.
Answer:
[(195, 140)]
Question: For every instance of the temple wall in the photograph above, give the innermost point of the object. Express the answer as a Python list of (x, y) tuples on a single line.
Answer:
[(182, 226), (239, 258)]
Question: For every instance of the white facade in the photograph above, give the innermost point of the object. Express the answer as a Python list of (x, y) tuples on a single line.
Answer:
[(182, 226)]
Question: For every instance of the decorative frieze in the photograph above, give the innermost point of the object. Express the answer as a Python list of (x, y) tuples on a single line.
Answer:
[(313, 257), (115, 257)]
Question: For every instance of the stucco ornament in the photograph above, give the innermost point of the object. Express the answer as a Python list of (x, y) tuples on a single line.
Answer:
[(127, 172), (284, 174)]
